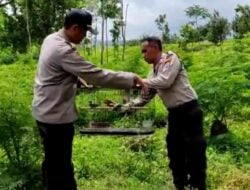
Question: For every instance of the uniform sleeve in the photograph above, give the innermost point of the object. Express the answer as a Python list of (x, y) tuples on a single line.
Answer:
[(166, 75), (76, 65), (142, 99)]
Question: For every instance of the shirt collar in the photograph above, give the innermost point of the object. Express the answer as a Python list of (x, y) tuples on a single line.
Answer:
[(156, 66), (61, 33)]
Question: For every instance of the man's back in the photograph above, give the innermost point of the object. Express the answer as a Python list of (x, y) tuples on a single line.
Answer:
[(55, 83), (54, 87)]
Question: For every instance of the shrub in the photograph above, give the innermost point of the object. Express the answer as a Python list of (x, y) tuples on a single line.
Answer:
[(7, 56)]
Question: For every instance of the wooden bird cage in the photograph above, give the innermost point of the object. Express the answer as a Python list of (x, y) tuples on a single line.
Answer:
[(99, 119)]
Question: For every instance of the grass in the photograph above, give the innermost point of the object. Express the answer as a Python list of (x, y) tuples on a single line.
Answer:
[(134, 163), (140, 163)]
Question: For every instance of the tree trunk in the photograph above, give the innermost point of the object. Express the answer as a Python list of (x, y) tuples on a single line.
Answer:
[(91, 44), (102, 44), (107, 51), (95, 42), (124, 31), (27, 24)]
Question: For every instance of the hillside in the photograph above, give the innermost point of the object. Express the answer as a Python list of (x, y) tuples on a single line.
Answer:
[(221, 77)]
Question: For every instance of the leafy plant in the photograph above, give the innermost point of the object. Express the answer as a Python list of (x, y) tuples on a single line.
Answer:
[(219, 93), (7, 56)]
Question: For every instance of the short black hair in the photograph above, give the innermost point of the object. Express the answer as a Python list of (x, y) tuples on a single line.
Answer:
[(153, 39), (80, 17)]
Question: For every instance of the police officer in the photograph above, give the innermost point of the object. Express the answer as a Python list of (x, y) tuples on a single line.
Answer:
[(185, 140), (53, 104)]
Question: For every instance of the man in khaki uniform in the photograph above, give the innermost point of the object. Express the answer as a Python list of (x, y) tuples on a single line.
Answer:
[(53, 104), (185, 141)]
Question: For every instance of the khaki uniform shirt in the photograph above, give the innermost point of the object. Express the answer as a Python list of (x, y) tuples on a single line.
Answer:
[(170, 82), (55, 83)]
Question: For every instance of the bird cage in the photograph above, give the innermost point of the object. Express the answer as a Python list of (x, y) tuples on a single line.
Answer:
[(100, 119)]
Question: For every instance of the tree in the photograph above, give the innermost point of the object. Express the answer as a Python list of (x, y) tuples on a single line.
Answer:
[(87, 45), (241, 22), (197, 13), (102, 30), (14, 33), (123, 21), (115, 32), (4, 3), (95, 36), (47, 17), (188, 34), (94, 7), (163, 27), (202, 31), (27, 21), (174, 38), (108, 9), (111, 11), (218, 28)]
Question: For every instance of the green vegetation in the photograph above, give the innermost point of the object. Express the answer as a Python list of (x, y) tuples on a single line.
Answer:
[(219, 70), (220, 76)]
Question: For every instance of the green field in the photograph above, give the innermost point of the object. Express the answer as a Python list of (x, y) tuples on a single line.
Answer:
[(221, 77)]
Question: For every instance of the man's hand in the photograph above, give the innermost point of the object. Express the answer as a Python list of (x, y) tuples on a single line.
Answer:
[(138, 82), (145, 81), (122, 109)]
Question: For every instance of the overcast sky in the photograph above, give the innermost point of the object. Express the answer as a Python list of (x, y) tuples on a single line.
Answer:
[(142, 13)]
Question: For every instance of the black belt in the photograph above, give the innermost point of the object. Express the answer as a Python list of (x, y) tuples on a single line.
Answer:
[(185, 106)]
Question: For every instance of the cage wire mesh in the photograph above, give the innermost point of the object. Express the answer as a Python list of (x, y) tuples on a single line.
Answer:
[(93, 112)]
